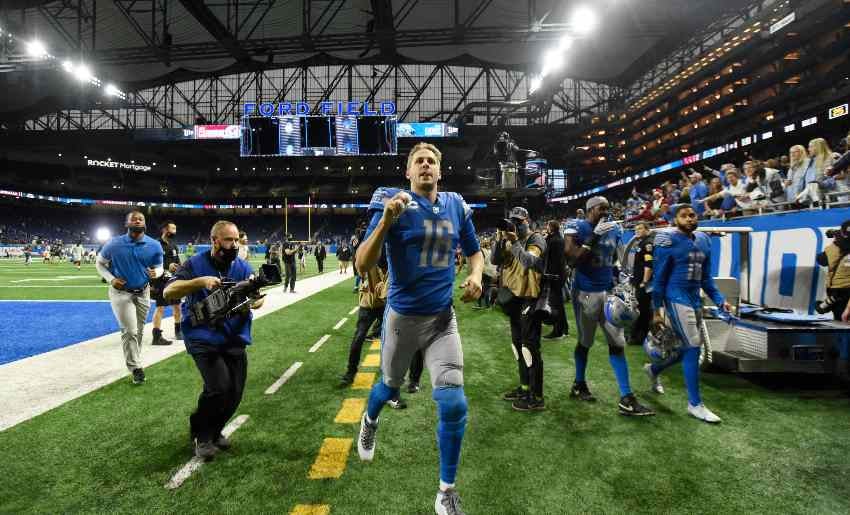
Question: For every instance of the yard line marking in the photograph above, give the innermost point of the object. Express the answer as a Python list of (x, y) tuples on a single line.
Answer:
[(311, 509), (372, 360), (363, 381), (376, 344), (354, 310), (319, 343), (330, 463), (284, 378), (339, 324), (351, 411), (195, 463)]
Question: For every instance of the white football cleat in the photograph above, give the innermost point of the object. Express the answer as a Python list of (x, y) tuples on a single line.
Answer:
[(703, 413), (366, 439), (448, 503), (654, 380)]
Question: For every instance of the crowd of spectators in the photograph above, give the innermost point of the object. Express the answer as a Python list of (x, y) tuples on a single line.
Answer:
[(806, 177)]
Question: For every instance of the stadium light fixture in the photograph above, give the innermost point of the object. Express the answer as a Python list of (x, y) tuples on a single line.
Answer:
[(113, 90), (82, 73), (68, 66), (102, 234), (36, 49), (584, 20)]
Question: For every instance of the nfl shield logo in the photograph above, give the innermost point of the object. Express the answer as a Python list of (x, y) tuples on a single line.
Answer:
[(436, 210)]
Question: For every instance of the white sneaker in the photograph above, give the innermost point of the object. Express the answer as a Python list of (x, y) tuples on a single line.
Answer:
[(447, 503), (703, 413), (366, 440), (654, 380)]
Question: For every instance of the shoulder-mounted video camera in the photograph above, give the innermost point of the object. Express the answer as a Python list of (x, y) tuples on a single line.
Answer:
[(233, 298)]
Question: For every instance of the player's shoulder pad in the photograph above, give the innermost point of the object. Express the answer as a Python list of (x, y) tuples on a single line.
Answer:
[(702, 239), (663, 238), (457, 197), (380, 196)]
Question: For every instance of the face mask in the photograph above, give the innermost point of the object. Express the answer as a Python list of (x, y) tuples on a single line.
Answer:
[(522, 230), (135, 231), (227, 256)]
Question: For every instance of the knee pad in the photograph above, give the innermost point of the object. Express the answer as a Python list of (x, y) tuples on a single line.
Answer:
[(451, 404), (615, 350), (527, 356)]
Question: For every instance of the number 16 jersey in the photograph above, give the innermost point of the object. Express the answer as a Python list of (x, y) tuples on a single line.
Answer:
[(420, 249)]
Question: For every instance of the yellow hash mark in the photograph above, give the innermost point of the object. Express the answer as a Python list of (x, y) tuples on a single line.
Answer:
[(376, 344), (350, 411), (363, 381), (372, 360), (310, 509), (330, 463)]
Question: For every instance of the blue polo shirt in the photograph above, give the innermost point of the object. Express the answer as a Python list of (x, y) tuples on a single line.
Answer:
[(129, 259)]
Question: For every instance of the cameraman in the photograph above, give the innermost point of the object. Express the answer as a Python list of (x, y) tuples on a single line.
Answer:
[(519, 253), (218, 351), (289, 251), (836, 257)]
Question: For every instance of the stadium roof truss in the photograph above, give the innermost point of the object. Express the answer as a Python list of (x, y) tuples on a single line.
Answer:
[(421, 92)]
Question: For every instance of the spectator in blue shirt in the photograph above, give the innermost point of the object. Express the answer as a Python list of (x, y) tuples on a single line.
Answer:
[(698, 191)]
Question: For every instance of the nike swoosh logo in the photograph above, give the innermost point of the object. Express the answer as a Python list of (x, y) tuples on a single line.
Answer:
[(626, 408)]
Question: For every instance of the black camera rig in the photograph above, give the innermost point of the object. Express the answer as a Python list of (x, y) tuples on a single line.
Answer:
[(233, 298)]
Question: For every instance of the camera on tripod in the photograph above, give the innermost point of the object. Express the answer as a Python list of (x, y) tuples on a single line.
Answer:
[(233, 298)]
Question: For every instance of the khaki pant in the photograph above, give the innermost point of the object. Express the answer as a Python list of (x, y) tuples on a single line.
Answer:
[(131, 311)]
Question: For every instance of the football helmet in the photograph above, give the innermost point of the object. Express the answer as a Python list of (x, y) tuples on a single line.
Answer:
[(661, 345)]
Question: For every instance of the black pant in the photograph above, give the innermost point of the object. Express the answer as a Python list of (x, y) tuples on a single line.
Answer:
[(289, 280), (525, 337), (641, 326), (559, 314), (321, 263), (224, 370), (841, 296), (365, 318)]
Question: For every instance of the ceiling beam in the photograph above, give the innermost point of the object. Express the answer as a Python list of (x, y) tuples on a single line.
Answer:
[(213, 25)]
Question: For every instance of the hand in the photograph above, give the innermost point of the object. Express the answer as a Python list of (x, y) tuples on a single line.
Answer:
[(118, 283), (395, 206), (845, 317), (151, 273), (209, 282), (472, 287), (511, 236), (726, 307), (657, 321), (604, 228), (173, 267)]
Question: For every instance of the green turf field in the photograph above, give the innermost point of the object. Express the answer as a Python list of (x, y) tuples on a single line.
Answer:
[(779, 450), (62, 280)]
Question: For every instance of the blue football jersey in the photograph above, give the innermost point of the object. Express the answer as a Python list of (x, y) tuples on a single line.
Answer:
[(597, 273), (682, 265), (420, 249)]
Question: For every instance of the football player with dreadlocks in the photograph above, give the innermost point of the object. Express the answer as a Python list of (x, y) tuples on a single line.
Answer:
[(591, 246), (682, 267)]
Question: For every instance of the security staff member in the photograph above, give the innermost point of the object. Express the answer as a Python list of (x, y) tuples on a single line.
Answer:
[(641, 281), (128, 263), (171, 263), (218, 351), (321, 253), (520, 256), (556, 265)]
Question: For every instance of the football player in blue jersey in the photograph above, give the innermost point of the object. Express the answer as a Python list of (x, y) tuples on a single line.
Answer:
[(420, 229), (682, 266), (591, 246)]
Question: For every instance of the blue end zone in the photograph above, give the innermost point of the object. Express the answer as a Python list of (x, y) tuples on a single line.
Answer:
[(31, 328)]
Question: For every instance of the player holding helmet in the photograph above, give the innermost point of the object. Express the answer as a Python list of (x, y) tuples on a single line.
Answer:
[(682, 266), (591, 247)]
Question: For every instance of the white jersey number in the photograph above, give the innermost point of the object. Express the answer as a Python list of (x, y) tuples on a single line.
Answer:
[(437, 247)]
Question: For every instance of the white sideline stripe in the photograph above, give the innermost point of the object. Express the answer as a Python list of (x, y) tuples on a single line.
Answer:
[(339, 324), (284, 378), (319, 343), (196, 462), (354, 310), (31, 386)]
